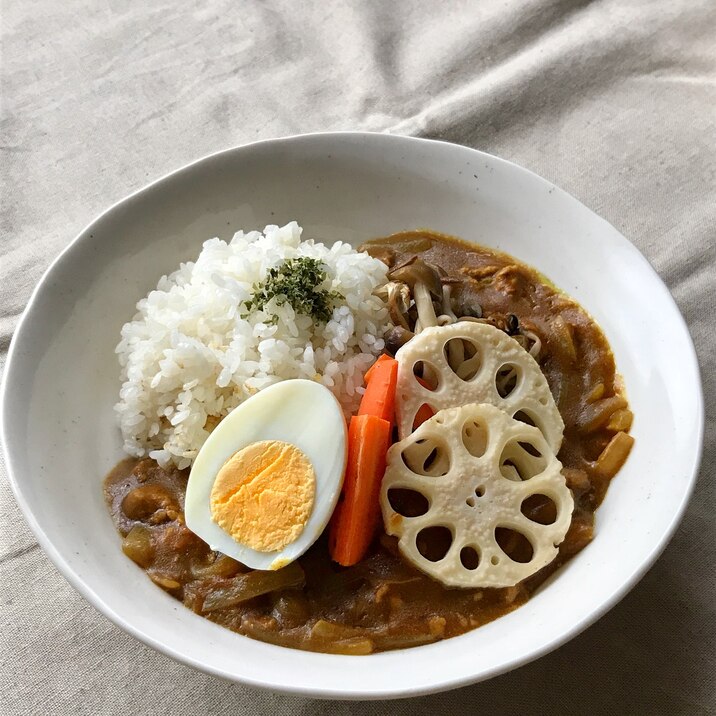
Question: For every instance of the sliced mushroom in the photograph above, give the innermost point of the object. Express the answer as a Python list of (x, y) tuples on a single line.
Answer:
[(396, 338), (465, 305), (426, 311), (530, 341), (447, 303), (423, 279), (398, 303), (415, 271), (455, 348)]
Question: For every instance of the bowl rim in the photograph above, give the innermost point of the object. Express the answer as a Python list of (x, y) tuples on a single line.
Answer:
[(272, 683)]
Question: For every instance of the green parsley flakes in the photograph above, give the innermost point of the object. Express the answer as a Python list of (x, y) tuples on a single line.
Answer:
[(296, 282)]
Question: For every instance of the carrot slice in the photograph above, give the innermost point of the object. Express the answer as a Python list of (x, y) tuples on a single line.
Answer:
[(381, 359), (355, 520), (379, 397)]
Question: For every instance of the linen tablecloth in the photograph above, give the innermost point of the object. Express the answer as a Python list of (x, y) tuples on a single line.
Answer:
[(613, 100)]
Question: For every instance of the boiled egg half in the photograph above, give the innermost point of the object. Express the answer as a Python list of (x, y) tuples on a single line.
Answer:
[(267, 479)]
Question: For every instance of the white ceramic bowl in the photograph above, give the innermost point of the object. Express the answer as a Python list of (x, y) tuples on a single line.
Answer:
[(62, 380)]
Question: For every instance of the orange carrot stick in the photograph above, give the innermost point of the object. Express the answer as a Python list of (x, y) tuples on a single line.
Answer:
[(379, 397), (355, 520), (381, 359)]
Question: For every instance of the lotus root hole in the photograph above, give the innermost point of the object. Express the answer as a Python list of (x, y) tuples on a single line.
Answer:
[(427, 457), (540, 509), (514, 544), (472, 500), (507, 379), (434, 542), (475, 437), (470, 558), (408, 503), (518, 464), (463, 357), (427, 375), (530, 448), (525, 418), (423, 413)]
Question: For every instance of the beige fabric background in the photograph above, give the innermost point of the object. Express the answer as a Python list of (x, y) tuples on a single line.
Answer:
[(614, 100)]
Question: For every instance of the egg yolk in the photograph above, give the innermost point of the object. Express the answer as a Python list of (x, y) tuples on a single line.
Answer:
[(263, 495)]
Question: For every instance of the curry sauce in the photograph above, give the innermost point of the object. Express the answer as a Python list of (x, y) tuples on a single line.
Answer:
[(383, 602)]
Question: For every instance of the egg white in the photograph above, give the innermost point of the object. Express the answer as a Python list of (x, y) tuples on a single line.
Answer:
[(300, 412)]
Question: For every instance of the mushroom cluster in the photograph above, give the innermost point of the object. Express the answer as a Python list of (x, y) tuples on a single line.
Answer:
[(420, 295)]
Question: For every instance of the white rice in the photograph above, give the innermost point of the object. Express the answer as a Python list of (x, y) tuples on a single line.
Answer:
[(188, 357)]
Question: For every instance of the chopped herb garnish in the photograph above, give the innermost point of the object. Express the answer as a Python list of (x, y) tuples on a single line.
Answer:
[(296, 282)]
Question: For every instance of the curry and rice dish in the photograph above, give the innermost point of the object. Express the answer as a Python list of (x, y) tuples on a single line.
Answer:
[(350, 451)]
